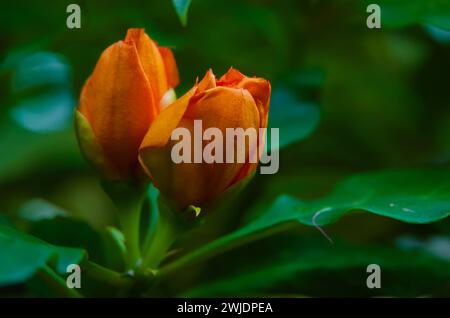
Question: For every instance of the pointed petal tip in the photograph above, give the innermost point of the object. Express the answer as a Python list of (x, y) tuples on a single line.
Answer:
[(232, 76), (208, 81)]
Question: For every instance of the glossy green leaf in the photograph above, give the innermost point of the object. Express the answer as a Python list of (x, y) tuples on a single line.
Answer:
[(21, 255), (182, 7), (414, 196)]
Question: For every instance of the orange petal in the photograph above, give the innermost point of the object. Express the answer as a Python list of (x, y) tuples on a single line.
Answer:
[(260, 89), (118, 103), (225, 107), (191, 183), (221, 107), (170, 67), (151, 60), (155, 150), (159, 133)]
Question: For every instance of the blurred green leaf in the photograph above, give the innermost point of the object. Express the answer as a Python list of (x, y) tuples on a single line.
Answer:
[(182, 7), (45, 113), (37, 70), (21, 255), (39, 209), (70, 232), (41, 86), (295, 119), (38, 129), (438, 246), (438, 34)]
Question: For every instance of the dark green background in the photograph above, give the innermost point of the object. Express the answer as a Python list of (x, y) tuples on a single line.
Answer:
[(369, 99)]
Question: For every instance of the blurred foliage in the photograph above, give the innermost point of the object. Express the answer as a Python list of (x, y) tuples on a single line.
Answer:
[(347, 99), (182, 7), (30, 254)]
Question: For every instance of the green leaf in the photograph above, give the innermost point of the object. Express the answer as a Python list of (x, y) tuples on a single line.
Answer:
[(114, 248), (181, 7), (70, 232), (414, 196), (22, 255)]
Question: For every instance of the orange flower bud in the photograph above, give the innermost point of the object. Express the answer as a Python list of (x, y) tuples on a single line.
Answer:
[(120, 100), (234, 101)]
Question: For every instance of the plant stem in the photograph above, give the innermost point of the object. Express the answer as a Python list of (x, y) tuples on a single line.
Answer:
[(214, 248), (129, 223), (105, 275), (153, 194), (167, 229), (128, 198), (57, 283)]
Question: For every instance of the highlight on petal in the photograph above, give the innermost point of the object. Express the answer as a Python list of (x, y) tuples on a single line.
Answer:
[(151, 60), (159, 133), (169, 97), (155, 150), (118, 103), (260, 90)]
